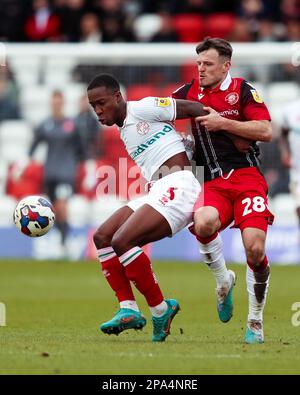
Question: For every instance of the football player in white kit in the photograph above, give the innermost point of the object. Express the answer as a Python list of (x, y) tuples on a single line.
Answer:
[(290, 148), (166, 209)]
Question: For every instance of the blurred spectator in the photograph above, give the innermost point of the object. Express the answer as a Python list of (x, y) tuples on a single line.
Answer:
[(166, 32), (266, 31), (115, 30), (290, 9), (9, 107), (70, 13), (12, 15), (275, 174), (251, 11), (150, 6), (222, 6), (240, 32), (116, 24), (65, 150), (189, 6), (292, 28), (89, 28), (42, 24)]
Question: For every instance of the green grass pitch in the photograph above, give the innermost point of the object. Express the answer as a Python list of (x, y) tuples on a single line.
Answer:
[(53, 310)]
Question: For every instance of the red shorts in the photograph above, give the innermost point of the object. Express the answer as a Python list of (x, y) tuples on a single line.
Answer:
[(241, 198)]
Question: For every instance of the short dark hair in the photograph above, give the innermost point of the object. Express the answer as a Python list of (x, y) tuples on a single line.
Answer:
[(223, 47), (106, 80)]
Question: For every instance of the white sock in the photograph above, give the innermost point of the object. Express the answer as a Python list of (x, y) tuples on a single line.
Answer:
[(213, 256), (257, 300), (159, 310), (129, 304)]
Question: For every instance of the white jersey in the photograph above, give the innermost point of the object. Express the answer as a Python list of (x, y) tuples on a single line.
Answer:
[(148, 134), (291, 121)]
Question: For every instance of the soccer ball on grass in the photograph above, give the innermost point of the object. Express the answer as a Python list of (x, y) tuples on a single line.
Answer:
[(34, 216)]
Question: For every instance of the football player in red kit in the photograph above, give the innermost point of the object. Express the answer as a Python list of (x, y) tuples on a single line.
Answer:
[(234, 188)]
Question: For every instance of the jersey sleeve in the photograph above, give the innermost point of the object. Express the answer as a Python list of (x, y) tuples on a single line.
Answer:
[(155, 109), (253, 107), (182, 91)]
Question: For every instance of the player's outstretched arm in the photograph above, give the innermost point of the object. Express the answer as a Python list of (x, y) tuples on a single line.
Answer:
[(188, 109), (255, 130)]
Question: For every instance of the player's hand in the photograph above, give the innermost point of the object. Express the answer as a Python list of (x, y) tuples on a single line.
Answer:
[(189, 144), (212, 122)]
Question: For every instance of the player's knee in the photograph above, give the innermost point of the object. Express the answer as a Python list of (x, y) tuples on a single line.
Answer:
[(120, 243), (205, 225), (255, 253), (101, 239)]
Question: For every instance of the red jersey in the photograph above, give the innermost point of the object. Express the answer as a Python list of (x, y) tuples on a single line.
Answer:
[(235, 99)]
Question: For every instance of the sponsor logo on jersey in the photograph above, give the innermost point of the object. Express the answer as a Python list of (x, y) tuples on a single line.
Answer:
[(142, 127), (232, 98), (256, 96), (227, 113), (162, 102), (142, 147)]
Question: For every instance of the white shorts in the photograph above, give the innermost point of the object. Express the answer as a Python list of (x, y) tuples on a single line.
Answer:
[(173, 196)]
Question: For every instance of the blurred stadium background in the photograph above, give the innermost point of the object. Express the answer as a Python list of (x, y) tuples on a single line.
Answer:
[(150, 47)]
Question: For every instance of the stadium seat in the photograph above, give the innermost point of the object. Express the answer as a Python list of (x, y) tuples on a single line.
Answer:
[(63, 68), (283, 91), (24, 179), (284, 209), (188, 72), (219, 25), (3, 176), (103, 208), (167, 90), (7, 206), (72, 92), (189, 27), (146, 25), (19, 132), (35, 103), (27, 70), (279, 95), (15, 139), (139, 91), (78, 211)]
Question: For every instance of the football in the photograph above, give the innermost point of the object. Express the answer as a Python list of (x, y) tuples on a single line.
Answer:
[(34, 216)]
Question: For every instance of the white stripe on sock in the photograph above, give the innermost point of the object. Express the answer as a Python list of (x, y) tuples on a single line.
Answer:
[(104, 254), (130, 255), (129, 304)]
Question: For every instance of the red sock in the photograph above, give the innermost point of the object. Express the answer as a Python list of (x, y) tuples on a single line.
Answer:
[(138, 270), (115, 274)]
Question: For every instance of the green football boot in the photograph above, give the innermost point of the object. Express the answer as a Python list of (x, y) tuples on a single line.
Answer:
[(224, 299), (161, 325), (124, 319), (254, 332)]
